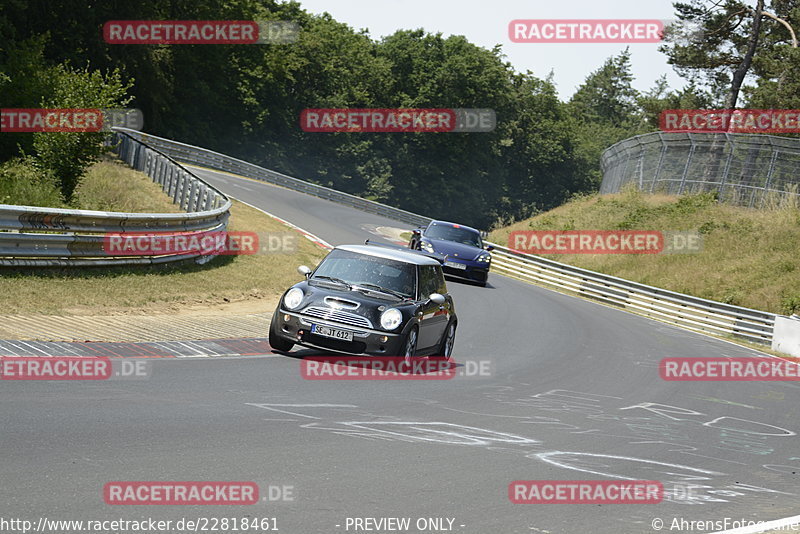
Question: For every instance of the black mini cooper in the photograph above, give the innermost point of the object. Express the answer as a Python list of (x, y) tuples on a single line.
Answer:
[(369, 300)]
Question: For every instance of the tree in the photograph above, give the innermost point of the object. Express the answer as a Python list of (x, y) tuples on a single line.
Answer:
[(28, 80), (607, 95), (603, 111), (68, 154), (716, 40), (651, 103), (777, 66)]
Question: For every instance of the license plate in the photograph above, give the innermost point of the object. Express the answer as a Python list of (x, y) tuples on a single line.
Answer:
[(454, 265), (335, 333)]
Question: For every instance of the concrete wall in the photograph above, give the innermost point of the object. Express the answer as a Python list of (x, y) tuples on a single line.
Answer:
[(786, 337)]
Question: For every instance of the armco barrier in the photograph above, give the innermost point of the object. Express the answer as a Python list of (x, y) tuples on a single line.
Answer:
[(675, 308), (215, 160), (34, 236), (682, 310), (688, 312)]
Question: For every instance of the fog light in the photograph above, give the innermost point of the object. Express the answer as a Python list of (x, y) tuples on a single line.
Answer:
[(286, 317), (384, 339)]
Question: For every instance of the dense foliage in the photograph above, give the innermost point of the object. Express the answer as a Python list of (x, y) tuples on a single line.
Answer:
[(245, 100)]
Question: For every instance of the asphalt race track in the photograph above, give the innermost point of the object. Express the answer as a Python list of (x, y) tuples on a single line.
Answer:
[(574, 394)]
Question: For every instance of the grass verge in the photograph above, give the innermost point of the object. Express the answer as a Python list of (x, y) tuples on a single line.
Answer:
[(749, 257), (227, 283)]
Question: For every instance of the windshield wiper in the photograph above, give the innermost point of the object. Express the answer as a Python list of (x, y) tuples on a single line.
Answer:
[(397, 294), (333, 279)]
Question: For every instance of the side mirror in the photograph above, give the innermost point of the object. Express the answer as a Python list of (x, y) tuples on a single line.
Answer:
[(305, 271), (489, 248), (436, 298)]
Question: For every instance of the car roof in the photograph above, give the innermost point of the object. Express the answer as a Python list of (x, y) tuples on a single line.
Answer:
[(447, 223), (390, 254)]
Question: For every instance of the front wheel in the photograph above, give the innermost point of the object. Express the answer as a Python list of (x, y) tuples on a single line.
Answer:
[(276, 341), (448, 342), (410, 346)]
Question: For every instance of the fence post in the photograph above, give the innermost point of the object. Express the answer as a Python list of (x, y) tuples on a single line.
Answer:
[(731, 147), (769, 174), (641, 164), (686, 168), (660, 161), (188, 185), (178, 184)]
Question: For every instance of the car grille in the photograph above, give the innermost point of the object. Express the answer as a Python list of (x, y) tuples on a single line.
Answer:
[(354, 347), (338, 316)]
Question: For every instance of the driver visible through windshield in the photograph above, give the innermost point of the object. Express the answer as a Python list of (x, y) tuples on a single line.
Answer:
[(451, 233), (368, 271)]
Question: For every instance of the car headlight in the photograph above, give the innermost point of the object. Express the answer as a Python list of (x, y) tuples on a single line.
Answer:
[(424, 245), (391, 319), (293, 298), (485, 258)]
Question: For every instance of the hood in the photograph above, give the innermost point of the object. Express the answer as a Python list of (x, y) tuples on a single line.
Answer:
[(370, 305), (316, 293), (451, 248)]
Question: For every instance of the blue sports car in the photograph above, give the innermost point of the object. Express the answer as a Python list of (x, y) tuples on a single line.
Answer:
[(466, 255)]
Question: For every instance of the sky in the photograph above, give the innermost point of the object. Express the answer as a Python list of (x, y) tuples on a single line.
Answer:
[(485, 23)]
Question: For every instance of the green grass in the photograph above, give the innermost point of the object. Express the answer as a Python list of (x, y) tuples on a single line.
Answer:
[(22, 184), (254, 281), (110, 185), (749, 257)]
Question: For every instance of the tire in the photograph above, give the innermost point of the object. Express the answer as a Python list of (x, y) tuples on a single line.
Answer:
[(276, 341), (445, 349), (410, 345)]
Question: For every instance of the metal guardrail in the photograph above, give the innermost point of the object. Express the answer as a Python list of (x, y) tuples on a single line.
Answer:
[(34, 236), (215, 160), (208, 210), (689, 312), (744, 169), (686, 311)]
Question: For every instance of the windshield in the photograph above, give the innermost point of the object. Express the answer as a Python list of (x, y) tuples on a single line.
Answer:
[(362, 270), (450, 233)]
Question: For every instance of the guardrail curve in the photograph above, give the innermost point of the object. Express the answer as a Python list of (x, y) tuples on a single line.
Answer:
[(215, 160), (157, 157), (686, 311), (38, 236), (674, 308)]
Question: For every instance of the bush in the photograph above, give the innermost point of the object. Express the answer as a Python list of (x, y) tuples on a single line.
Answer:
[(22, 183)]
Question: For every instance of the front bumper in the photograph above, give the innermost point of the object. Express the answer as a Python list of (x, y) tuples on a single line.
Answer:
[(295, 327), (475, 271)]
